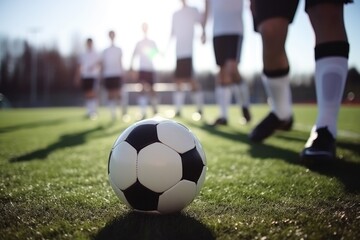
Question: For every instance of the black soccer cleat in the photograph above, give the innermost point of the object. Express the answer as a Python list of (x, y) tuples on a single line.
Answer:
[(246, 114), (268, 126), (319, 149), (220, 121)]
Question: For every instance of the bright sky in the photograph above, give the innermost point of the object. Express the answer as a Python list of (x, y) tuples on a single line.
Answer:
[(67, 23)]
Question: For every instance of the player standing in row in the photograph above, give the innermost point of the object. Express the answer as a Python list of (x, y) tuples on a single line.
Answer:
[(87, 75), (227, 42), (184, 21), (146, 49), (112, 73), (271, 20)]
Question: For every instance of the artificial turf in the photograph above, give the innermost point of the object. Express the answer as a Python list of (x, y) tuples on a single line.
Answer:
[(54, 184)]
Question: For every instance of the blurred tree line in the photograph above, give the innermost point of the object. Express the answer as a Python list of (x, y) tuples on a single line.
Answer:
[(31, 76)]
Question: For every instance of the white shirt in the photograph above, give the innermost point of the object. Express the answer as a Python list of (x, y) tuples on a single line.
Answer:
[(89, 64), (228, 17), (183, 24), (146, 50), (112, 62)]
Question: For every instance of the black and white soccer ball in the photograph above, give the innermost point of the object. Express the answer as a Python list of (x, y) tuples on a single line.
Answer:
[(157, 165)]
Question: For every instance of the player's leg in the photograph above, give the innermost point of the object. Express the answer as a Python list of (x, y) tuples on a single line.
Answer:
[(240, 90), (143, 100), (112, 102), (112, 84), (239, 87), (178, 94), (331, 57), (272, 19), (197, 97), (224, 79), (123, 98), (91, 104), (223, 97), (143, 77), (88, 86), (152, 94)]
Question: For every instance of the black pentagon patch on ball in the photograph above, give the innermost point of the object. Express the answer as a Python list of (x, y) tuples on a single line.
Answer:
[(141, 198), (142, 136), (192, 165)]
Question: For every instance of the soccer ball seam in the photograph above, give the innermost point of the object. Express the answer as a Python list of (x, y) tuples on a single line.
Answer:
[(145, 195)]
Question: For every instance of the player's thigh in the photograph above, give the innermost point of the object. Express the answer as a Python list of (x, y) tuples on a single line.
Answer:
[(327, 19), (263, 10)]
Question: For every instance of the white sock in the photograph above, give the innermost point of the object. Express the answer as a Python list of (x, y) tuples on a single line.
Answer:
[(198, 100), (179, 97), (330, 79), (241, 93), (154, 103), (88, 106), (235, 90), (92, 106), (112, 108), (279, 94), (223, 98), (124, 100), (142, 101), (245, 94)]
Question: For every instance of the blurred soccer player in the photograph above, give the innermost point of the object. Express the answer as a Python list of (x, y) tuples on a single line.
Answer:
[(184, 21), (87, 75), (227, 42), (145, 50), (112, 73), (271, 20)]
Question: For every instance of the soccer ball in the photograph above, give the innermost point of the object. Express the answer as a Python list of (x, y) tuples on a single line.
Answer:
[(157, 166)]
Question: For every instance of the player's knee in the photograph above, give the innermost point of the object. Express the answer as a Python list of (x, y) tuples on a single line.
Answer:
[(231, 66), (274, 29)]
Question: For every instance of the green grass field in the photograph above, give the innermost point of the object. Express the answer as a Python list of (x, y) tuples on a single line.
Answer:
[(54, 185)]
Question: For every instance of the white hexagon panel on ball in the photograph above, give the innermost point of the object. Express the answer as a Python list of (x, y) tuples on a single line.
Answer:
[(159, 167)]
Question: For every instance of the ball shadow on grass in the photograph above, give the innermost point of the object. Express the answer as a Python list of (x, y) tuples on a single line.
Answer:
[(135, 225)]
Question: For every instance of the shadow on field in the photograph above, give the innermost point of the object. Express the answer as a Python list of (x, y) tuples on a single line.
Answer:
[(345, 171), (133, 226), (32, 125), (348, 172), (262, 151), (67, 140), (234, 135)]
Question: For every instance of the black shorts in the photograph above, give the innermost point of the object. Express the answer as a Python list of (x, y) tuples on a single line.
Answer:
[(113, 83), (227, 47), (265, 9), (87, 84), (146, 77), (184, 68)]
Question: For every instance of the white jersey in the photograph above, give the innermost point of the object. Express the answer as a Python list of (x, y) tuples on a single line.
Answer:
[(183, 24), (112, 62), (228, 17), (89, 64), (146, 49)]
